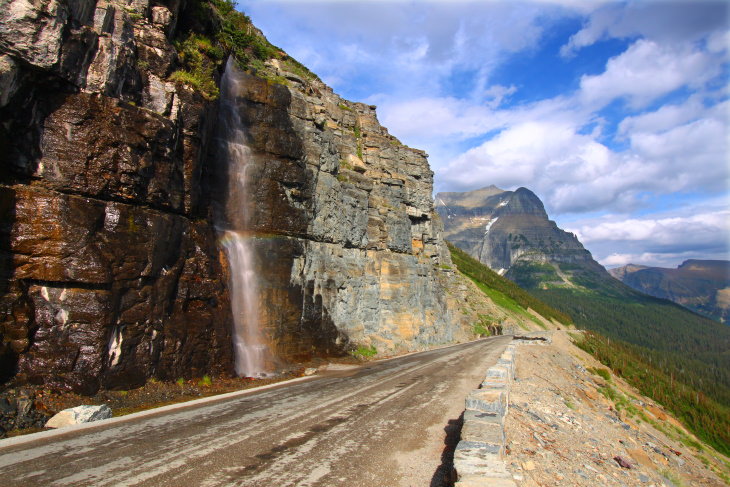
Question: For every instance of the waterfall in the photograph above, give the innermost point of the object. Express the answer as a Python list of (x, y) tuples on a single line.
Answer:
[(252, 353)]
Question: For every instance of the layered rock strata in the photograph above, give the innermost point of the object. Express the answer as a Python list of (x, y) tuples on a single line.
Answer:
[(111, 271), (344, 225)]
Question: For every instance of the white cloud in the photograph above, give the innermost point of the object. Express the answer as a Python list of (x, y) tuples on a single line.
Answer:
[(682, 148), (665, 118), (683, 21), (647, 71), (663, 232), (544, 146), (435, 117), (691, 156), (699, 230), (496, 94)]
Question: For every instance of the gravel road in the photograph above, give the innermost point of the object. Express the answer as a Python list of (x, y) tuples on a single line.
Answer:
[(384, 424)]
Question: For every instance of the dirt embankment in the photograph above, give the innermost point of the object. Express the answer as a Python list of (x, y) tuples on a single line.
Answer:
[(572, 423)]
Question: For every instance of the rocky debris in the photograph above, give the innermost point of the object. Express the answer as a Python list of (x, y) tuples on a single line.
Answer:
[(563, 430), (622, 461), (78, 415), (479, 456), (18, 411)]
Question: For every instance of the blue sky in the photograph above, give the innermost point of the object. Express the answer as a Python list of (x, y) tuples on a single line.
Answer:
[(615, 114)]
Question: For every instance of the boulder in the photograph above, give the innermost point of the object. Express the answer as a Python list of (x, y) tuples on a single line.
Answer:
[(78, 415)]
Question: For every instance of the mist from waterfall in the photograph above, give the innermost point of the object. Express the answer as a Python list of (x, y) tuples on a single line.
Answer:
[(252, 352)]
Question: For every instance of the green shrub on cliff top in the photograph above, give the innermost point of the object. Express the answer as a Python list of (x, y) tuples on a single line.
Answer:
[(203, 50), (199, 58)]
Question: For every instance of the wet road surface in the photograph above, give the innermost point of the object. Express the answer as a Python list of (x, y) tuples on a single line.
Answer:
[(382, 424)]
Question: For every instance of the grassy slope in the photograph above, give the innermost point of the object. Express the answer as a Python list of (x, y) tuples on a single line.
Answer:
[(502, 291)]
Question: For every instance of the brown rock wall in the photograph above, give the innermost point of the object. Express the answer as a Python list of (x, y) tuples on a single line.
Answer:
[(87, 272)]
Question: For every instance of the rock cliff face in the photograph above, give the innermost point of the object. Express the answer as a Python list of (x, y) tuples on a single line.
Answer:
[(510, 232), (110, 271), (700, 285), (343, 224), (110, 267)]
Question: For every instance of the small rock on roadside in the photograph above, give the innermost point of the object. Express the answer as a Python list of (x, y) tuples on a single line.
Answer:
[(78, 415), (310, 371)]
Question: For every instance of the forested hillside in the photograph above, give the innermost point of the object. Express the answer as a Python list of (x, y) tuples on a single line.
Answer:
[(677, 357), (706, 414)]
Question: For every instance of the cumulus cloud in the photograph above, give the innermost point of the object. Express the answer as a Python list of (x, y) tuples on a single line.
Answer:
[(664, 118), (665, 232), (647, 71), (574, 172), (429, 117), (699, 230), (658, 21), (557, 147), (571, 171)]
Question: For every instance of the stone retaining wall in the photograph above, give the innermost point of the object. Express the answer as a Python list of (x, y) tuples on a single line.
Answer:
[(479, 456)]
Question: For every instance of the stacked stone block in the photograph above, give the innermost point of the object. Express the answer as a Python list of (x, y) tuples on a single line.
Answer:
[(479, 456)]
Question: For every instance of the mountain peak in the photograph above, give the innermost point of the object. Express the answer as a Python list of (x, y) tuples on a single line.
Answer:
[(525, 201), (508, 227)]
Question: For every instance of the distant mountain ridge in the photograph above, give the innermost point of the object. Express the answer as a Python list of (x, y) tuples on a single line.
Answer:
[(509, 231), (702, 286)]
